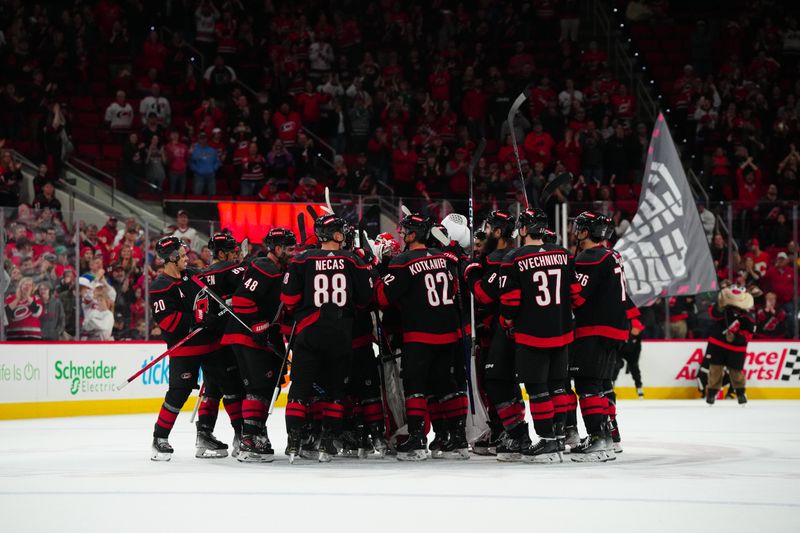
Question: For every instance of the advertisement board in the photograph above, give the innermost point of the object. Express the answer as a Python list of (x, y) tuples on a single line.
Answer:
[(72, 379)]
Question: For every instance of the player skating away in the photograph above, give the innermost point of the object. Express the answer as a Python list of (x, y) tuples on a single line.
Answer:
[(495, 380), (727, 344), (537, 284), (323, 288), (629, 356), (420, 281), (602, 313), (173, 295), (259, 354), (222, 277)]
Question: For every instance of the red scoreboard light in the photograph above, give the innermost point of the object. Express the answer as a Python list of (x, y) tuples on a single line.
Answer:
[(254, 219)]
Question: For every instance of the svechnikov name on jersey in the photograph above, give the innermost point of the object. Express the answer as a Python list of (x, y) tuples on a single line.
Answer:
[(543, 259)]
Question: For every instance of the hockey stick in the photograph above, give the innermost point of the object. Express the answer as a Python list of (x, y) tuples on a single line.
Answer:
[(550, 188), (512, 113), (301, 226), (222, 304), (199, 401), (442, 238), (328, 200), (277, 390), (160, 357), (471, 222), (244, 248), (313, 212)]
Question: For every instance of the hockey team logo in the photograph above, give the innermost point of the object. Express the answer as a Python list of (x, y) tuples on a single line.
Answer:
[(771, 365), (88, 379)]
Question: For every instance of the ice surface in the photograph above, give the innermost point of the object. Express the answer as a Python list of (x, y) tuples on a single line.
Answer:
[(686, 467)]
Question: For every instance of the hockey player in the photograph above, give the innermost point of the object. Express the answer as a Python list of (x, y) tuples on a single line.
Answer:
[(727, 344), (602, 312), (223, 276), (420, 280), (323, 288), (173, 297), (537, 282), (259, 354), (482, 278)]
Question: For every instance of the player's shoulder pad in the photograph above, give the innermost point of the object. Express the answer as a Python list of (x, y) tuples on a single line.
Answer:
[(497, 256), (265, 265), (593, 256)]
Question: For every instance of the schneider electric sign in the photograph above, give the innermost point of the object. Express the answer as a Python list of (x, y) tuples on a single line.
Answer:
[(93, 378)]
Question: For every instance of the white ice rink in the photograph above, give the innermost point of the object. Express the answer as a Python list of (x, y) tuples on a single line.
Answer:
[(686, 467)]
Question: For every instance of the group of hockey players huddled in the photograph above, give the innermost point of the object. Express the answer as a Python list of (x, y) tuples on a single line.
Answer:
[(389, 339)]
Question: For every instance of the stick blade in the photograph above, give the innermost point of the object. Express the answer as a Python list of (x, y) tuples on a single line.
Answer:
[(550, 188), (313, 212)]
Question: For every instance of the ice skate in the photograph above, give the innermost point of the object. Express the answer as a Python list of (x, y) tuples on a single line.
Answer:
[(486, 445), (255, 449), (349, 444), (292, 445), (374, 444), (511, 448), (640, 393), (236, 445), (543, 452), (436, 445), (591, 450), (711, 396), (309, 449), (456, 446), (571, 439), (560, 431), (327, 449), (413, 449), (161, 450), (208, 447)]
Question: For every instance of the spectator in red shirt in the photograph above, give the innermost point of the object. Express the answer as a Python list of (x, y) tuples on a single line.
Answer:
[(456, 172), (154, 53), (310, 102), (23, 310), (760, 257), (404, 164), (748, 180), (539, 145), (770, 319), (474, 107), (177, 156), (439, 82), (288, 124), (107, 234), (520, 59), (624, 103), (569, 152), (780, 279)]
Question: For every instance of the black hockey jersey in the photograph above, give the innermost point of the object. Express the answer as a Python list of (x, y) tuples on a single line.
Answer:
[(536, 285), (422, 282), (173, 301), (255, 301), (317, 277), (485, 287), (602, 307), (730, 320), (222, 277)]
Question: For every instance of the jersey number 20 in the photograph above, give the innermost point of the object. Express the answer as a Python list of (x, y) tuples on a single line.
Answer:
[(333, 291)]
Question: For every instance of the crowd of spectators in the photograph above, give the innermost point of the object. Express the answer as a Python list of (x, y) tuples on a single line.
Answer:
[(275, 100)]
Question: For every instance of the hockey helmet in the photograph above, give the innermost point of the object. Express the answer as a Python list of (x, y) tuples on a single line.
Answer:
[(169, 248), (416, 223), (502, 220), (388, 244), (600, 227), (279, 237), (327, 225), (534, 220), (550, 236), (222, 242)]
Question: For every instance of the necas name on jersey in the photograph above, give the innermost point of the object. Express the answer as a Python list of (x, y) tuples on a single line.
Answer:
[(328, 264)]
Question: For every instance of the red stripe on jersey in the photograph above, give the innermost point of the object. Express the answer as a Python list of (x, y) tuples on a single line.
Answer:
[(242, 339), (200, 349), (363, 340), (291, 300), (678, 317), (170, 322), (165, 289), (602, 331), (714, 315), (481, 295), (578, 300), (723, 344), (636, 323), (242, 304), (511, 298), (307, 321), (380, 292), (747, 335), (632, 313), (544, 342), (594, 262), (431, 338)]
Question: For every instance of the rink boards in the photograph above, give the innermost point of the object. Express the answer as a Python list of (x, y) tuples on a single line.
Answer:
[(74, 379)]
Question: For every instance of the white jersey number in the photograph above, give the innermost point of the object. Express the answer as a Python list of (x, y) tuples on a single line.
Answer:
[(432, 283), (543, 280), (335, 293)]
